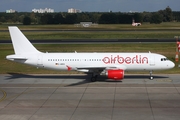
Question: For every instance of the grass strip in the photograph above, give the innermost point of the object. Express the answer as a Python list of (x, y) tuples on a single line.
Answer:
[(95, 35)]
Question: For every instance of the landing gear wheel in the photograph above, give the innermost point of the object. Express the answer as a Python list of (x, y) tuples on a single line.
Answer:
[(93, 78), (151, 77)]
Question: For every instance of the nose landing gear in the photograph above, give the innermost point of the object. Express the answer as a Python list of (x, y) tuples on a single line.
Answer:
[(151, 77)]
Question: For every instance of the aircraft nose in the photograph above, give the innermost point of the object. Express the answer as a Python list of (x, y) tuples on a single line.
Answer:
[(171, 64)]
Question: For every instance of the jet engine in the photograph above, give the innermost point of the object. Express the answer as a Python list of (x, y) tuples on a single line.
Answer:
[(115, 74)]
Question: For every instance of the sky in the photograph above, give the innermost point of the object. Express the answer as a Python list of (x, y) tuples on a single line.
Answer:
[(90, 5)]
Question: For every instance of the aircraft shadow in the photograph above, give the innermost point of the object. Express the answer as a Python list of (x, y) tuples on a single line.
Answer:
[(85, 79), (19, 75), (143, 76)]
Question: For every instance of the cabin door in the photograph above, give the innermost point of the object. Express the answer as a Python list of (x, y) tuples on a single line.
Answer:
[(39, 62), (152, 60)]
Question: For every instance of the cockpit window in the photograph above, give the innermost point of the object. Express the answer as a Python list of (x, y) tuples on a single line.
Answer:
[(164, 59)]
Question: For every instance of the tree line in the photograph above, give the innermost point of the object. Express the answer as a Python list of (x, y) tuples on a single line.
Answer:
[(166, 15)]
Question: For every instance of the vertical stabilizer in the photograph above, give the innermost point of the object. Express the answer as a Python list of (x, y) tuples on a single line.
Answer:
[(20, 43)]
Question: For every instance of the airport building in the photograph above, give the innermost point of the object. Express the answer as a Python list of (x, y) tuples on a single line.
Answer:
[(72, 10), (46, 10), (10, 11)]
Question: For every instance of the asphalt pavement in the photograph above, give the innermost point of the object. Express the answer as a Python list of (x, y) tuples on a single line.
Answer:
[(74, 97)]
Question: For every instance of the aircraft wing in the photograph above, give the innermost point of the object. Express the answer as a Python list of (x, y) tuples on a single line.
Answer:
[(100, 68)]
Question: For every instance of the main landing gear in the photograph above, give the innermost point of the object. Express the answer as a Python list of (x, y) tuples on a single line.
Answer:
[(94, 78), (151, 77)]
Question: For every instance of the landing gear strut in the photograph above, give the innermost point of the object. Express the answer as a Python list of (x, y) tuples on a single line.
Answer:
[(151, 77)]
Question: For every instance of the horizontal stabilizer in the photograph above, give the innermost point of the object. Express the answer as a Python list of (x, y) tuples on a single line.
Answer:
[(15, 57)]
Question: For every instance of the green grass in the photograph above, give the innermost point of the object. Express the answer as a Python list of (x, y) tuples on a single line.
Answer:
[(116, 31), (95, 35), (167, 49)]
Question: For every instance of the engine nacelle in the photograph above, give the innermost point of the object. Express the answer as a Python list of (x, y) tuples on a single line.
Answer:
[(115, 74)]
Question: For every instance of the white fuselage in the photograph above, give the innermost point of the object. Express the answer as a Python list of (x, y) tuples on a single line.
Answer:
[(75, 61)]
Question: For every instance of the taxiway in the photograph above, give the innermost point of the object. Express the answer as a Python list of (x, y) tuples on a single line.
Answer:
[(74, 97)]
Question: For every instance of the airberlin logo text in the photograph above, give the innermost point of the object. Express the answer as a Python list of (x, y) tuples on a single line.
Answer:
[(137, 59)]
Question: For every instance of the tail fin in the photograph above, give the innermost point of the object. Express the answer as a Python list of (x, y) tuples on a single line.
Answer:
[(21, 44)]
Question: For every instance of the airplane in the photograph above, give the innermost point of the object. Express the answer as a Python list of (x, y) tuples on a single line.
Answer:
[(113, 65), (135, 24)]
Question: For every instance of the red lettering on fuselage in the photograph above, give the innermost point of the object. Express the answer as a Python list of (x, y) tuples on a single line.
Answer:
[(137, 59)]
